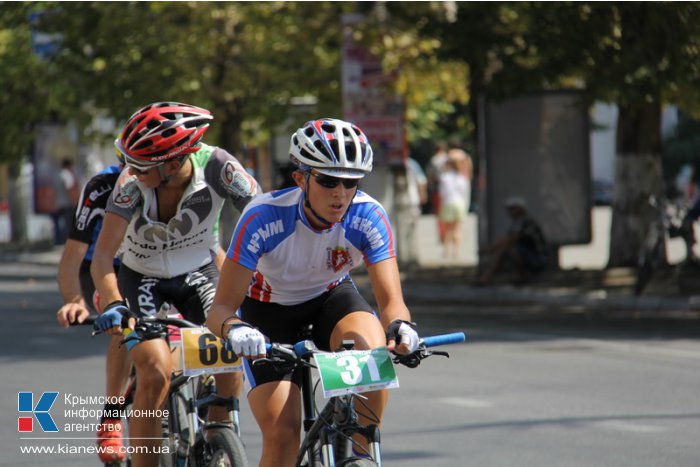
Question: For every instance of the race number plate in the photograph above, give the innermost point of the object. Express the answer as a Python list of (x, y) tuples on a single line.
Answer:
[(204, 353), (355, 371)]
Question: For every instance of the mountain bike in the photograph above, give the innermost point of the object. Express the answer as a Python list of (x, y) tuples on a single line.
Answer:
[(188, 439), (344, 376)]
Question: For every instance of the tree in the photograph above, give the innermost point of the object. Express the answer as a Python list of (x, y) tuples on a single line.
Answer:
[(244, 61), (25, 100), (638, 56)]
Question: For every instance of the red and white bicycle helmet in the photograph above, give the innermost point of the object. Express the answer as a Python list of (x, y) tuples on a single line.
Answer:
[(332, 147), (162, 131)]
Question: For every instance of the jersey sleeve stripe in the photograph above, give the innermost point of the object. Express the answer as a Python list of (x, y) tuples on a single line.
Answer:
[(236, 254), (390, 234)]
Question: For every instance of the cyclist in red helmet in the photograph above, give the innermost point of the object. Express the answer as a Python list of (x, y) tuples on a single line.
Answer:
[(164, 214)]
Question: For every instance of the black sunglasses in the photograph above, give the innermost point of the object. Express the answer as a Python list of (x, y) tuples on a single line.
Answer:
[(326, 181)]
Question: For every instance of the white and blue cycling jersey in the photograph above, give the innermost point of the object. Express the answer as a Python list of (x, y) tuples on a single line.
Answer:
[(292, 261)]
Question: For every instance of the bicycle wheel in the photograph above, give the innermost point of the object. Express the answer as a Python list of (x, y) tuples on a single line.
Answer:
[(177, 430), (226, 449)]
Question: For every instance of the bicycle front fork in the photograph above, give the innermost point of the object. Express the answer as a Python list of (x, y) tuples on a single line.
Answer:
[(344, 446)]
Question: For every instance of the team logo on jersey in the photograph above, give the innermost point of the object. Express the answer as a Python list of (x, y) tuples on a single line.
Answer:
[(337, 258), (126, 193), (237, 182)]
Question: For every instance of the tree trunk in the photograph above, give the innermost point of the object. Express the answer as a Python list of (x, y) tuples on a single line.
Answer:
[(18, 204), (638, 177)]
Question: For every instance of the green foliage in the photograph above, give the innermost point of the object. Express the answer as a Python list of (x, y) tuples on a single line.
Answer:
[(24, 79), (244, 61)]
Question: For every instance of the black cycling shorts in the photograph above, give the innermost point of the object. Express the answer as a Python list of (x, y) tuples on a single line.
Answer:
[(192, 294), (285, 324)]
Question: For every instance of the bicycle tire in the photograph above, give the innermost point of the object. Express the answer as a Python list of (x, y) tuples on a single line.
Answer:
[(178, 427), (226, 449), (166, 460)]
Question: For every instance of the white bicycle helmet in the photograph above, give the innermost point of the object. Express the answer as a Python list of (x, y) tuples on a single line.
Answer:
[(332, 147)]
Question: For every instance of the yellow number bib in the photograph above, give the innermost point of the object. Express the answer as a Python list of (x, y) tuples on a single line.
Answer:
[(204, 353)]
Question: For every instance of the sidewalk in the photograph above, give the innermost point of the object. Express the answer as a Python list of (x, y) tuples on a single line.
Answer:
[(575, 288)]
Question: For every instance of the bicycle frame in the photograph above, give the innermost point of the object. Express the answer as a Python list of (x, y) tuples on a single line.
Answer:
[(184, 429), (334, 426)]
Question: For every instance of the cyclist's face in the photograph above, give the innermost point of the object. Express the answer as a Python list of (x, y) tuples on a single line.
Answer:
[(328, 196), (148, 177)]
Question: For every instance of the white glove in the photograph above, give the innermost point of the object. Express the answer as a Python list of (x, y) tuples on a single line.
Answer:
[(402, 332), (246, 341)]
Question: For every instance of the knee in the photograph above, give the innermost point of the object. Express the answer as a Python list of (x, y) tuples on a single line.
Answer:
[(153, 383), (282, 436)]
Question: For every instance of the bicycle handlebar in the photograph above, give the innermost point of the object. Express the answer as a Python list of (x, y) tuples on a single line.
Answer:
[(297, 352), (168, 321), (444, 339)]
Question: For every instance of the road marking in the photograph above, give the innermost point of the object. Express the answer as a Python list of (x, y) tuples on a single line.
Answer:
[(464, 402), (620, 425)]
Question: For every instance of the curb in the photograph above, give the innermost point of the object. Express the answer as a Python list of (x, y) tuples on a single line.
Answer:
[(504, 295)]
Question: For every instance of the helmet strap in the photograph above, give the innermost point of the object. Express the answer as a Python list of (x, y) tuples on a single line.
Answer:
[(308, 204), (316, 215), (164, 179), (161, 172)]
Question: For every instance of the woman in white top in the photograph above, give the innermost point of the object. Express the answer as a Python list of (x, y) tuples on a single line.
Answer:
[(454, 202)]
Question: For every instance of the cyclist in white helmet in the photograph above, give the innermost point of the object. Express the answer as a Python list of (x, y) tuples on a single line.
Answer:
[(290, 258)]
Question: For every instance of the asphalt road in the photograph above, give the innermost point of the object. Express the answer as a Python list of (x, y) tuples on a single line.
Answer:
[(527, 389)]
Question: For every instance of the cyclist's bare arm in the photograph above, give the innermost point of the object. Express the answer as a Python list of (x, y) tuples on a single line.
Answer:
[(102, 269), (220, 258), (386, 285), (233, 285), (74, 307)]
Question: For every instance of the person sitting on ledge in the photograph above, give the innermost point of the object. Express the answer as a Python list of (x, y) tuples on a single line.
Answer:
[(523, 244)]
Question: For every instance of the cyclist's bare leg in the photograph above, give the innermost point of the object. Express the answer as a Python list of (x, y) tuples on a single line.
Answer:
[(366, 330), (227, 385), (118, 367), (277, 409), (153, 365)]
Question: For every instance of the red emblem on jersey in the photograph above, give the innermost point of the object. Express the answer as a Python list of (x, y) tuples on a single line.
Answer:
[(337, 258)]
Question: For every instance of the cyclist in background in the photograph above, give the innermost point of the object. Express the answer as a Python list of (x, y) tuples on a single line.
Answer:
[(164, 209), (290, 258), (78, 292)]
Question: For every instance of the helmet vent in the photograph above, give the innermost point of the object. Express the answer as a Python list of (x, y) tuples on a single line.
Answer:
[(169, 132), (308, 155), (153, 123), (328, 128), (309, 131), (321, 148), (350, 152), (182, 142), (143, 145)]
